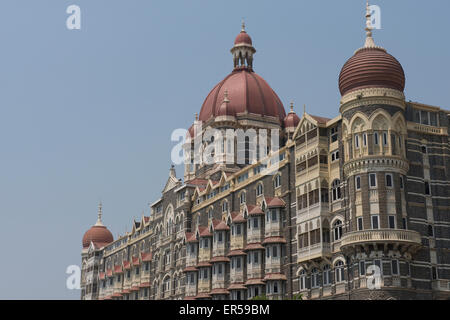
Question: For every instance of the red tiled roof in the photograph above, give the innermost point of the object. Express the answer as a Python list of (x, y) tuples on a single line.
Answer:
[(146, 256), (203, 265), (126, 265), (321, 120), (190, 269), (219, 291), (237, 217), (118, 269), (237, 286), (190, 237), (274, 276), (198, 182), (219, 225), (125, 291), (204, 231), (107, 298), (144, 285), (117, 295), (236, 253), (203, 295), (136, 261), (275, 202), (274, 240), (189, 298), (109, 273), (102, 275), (254, 210), (256, 281), (219, 259), (254, 246), (135, 288)]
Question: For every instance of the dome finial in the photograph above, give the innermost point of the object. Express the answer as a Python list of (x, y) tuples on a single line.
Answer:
[(304, 109), (243, 25), (99, 215), (196, 116), (369, 40), (292, 105)]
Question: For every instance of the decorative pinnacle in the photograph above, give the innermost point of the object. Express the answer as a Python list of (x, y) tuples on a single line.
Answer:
[(292, 106), (243, 25), (196, 116), (304, 109), (99, 215), (369, 40)]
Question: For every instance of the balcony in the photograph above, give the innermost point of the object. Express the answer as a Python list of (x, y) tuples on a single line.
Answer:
[(404, 240), (314, 251)]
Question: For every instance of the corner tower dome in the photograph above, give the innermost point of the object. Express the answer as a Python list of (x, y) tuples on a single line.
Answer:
[(243, 91), (371, 67), (98, 233)]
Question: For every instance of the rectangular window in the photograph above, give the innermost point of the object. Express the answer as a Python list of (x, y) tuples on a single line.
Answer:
[(255, 223), (365, 140), (220, 237), (375, 138), (404, 223), (391, 222), (238, 229), (395, 267), (274, 252), (378, 264), (360, 224), (373, 179), (358, 183), (220, 269), (375, 221), (362, 268), (255, 257), (385, 139), (274, 215), (427, 188), (356, 141), (389, 182), (238, 263), (401, 183)]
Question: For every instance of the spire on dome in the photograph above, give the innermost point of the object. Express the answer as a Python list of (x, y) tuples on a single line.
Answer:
[(99, 215), (243, 50), (369, 43), (369, 40)]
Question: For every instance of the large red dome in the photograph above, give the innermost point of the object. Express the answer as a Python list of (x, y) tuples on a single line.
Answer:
[(100, 235), (247, 93), (371, 68)]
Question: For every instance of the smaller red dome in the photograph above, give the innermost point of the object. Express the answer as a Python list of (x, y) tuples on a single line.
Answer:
[(243, 37), (291, 120), (99, 235)]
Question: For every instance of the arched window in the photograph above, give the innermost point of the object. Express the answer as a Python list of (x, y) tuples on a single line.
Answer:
[(336, 190), (242, 198), (277, 181), (224, 206), (302, 280), (337, 230), (339, 271), (315, 278), (166, 284), (210, 213), (259, 189), (326, 275)]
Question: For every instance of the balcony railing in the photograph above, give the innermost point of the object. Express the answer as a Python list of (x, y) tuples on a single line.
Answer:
[(314, 251), (380, 236)]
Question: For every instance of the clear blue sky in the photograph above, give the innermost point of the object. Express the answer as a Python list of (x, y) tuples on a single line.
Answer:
[(87, 115)]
